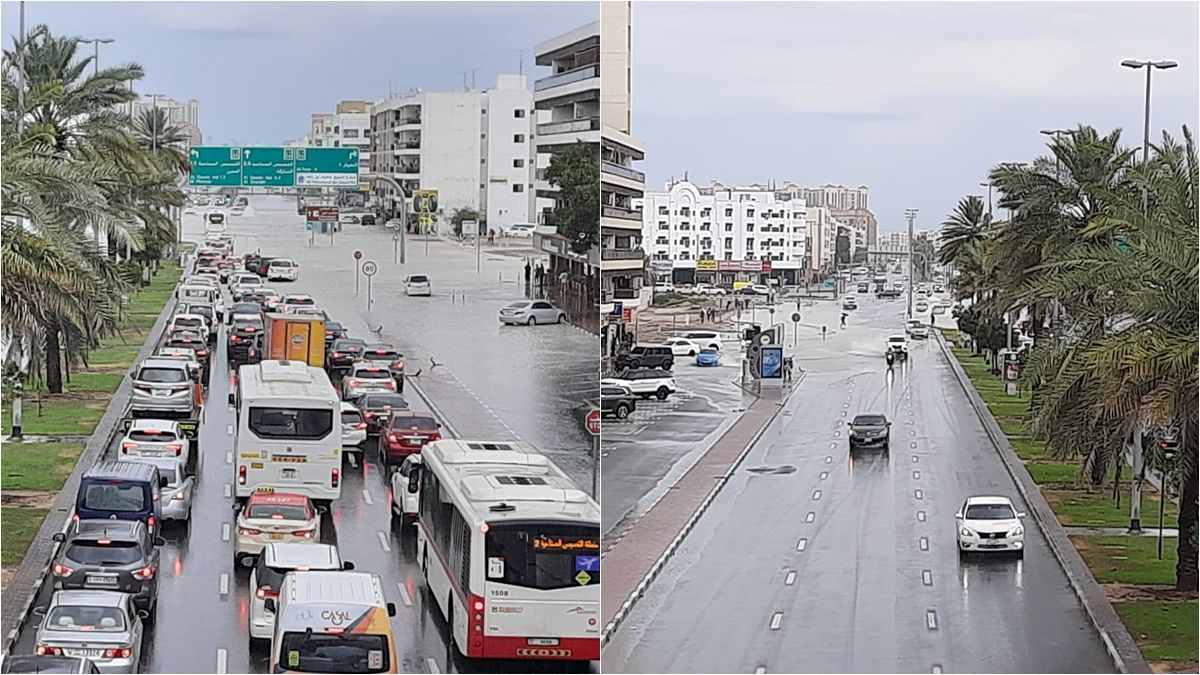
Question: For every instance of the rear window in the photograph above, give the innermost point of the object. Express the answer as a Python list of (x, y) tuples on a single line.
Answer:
[(418, 423), (119, 497), (282, 263), (301, 423), (152, 436), (419, 279), (89, 619), (381, 355), (299, 301), (313, 652), (351, 417), (372, 374), (112, 553), (163, 375), (279, 511)]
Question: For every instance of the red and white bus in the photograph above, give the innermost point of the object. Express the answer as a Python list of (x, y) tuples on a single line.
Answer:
[(510, 549)]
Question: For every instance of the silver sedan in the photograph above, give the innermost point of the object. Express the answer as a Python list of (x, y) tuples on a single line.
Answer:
[(531, 312), (177, 494), (100, 625)]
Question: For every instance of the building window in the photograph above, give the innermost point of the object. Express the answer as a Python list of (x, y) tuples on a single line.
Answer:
[(518, 163), (518, 138), (663, 211), (519, 113), (729, 227), (728, 244), (517, 187), (662, 225), (350, 133), (729, 212)]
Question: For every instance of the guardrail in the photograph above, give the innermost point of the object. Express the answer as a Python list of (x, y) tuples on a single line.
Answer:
[(569, 126), (621, 212)]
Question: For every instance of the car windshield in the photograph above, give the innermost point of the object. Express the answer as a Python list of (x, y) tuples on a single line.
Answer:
[(543, 556), (111, 553), (869, 421), (419, 279), (990, 512), (312, 652), (896, 338), (279, 511), (332, 326), (83, 618), (114, 496), (162, 375), (417, 423)]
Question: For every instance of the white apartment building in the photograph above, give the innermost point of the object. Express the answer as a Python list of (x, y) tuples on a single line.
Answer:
[(184, 114), (474, 147), (892, 242), (621, 251), (349, 126), (720, 236)]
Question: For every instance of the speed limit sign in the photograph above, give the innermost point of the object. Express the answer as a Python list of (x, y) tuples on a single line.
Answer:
[(369, 268)]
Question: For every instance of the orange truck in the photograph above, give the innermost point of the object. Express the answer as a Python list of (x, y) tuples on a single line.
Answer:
[(295, 338)]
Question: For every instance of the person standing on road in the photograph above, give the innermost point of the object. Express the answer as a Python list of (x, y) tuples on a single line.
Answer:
[(527, 270), (843, 319), (822, 332)]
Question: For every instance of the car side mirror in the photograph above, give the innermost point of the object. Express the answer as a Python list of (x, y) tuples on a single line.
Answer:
[(39, 610), (143, 614), (159, 541), (269, 605), (889, 424), (1021, 514), (391, 607), (959, 515), (232, 399), (163, 481), (347, 565), (59, 537)]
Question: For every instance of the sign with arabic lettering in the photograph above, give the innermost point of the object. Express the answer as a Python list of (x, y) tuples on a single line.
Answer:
[(570, 544), (221, 166)]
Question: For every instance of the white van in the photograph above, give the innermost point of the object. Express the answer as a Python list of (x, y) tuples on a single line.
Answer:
[(288, 433), (214, 223), (332, 622)]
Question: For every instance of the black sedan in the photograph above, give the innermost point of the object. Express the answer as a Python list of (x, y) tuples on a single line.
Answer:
[(870, 430), (376, 408), (343, 353)]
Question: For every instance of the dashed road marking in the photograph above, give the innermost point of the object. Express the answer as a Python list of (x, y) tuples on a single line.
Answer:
[(816, 495), (916, 475), (921, 516), (222, 661), (923, 542), (931, 620), (228, 490), (229, 429), (790, 579), (776, 620), (833, 445), (824, 475), (405, 596), (918, 494), (224, 584), (225, 532), (927, 577), (802, 544), (837, 433), (913, 445), (433, 665), (383, 541), (761, 670), (829, 459), (229, 457), (810, 516), (937, 669), (367, 497)]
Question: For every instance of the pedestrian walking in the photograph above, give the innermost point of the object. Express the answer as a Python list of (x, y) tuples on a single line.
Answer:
[(843, 319), (822, 332), (528, 269), (491, 236), (701, 316)]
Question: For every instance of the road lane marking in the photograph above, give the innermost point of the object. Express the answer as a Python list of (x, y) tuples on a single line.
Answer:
[(931, 620), (937, 669), (229, 429), (228, 490), (367, 497), (433, 665), (912, 432), (222, 661), (225, 532), (229, 457), (802, 544), (837, 433), (811, 516), (816, 495), (761, 670), (824, 475), (833, 445), (923, 542), (918, 494), (843, 413), (838, 423), (921, 516), (776, 620), (405, 597), (916, 475), (790, 580), (829, 459), (224, 584), (927, 577), (383, 541)]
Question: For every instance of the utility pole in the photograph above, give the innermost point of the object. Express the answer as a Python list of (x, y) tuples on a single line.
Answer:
[(988, 185), (910, 215), (1138, 464), (1149, 66), (21, 73)]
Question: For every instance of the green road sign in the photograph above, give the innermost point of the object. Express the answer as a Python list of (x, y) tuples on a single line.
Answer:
[(327, 167), (220, 166), (275, 167), (216, 166)]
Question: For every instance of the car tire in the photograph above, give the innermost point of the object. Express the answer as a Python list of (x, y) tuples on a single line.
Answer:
[(622, 411), (692, 352), (531, 322), (663, 393), (561, 317)]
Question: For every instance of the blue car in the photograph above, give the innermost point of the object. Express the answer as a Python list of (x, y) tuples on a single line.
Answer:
[(708, 357)]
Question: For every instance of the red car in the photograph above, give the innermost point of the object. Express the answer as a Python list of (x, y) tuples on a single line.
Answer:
[(405, 434)]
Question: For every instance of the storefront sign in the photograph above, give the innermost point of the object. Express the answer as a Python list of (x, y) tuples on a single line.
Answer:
[(729, 266), (706, 265), (766, 266), (751, 265)]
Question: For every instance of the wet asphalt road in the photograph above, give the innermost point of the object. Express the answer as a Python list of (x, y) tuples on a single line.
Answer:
[(201, 624), (811, 561)]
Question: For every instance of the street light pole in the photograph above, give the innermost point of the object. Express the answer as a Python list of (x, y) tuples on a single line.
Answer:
[(21, 73), (95, 42), (910, 215), (1056, 133), (1163, 64), (988, 185)]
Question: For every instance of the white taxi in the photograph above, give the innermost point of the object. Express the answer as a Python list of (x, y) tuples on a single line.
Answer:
[(270, 517)]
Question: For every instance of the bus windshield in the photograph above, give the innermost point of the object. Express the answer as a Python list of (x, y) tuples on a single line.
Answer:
[(543, 556), (312, 652)]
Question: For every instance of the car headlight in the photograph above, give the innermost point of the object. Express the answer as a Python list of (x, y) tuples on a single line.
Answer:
[(966, 532), (1017, 531)]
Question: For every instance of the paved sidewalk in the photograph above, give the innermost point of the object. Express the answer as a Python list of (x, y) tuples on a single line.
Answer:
[(1147, 531), (632, 557)]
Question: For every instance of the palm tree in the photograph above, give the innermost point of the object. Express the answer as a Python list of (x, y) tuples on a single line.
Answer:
[(962, 230)]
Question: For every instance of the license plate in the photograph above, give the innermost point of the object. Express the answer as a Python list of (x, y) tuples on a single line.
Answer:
[(276, 535), (289, 473), (542, 642), (415, 440), (162, 392), (90, 653), (103, 579)]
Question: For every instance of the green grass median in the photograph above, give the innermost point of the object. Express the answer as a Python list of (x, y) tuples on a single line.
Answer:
[(1164, 631)]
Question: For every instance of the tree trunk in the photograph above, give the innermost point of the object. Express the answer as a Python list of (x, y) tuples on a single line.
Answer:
[(1186, 577), (54, 376)]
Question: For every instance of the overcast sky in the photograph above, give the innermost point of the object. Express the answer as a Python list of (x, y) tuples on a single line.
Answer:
[(260, 68), (914, 100)]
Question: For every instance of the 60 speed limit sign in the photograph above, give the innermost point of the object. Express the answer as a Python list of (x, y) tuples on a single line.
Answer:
[(369, 268)]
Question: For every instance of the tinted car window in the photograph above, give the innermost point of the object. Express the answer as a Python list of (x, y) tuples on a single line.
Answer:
[(162, 375), (114, 497), (351, 417), (343, 653), (420, 423), (372, 374), (870, 420), (307, 423), (378, 401), (152, 436), (418, 278), (95, 553)]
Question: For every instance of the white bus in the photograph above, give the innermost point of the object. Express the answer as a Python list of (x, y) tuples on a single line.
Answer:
[(214, 223), (510, 549), (289, 433)]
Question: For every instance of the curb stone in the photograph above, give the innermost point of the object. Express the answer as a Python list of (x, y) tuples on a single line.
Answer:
[(1116, 638), (26, 582)]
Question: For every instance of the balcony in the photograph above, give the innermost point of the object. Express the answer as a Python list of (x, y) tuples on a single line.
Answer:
[(577, 75), (622, 171), (620, 212), (406, 145), (408, 168), (569, 126), (621, 254)]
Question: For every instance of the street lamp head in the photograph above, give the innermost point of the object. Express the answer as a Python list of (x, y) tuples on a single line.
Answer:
[(105, 41), (1165, 64), (1134, 63)]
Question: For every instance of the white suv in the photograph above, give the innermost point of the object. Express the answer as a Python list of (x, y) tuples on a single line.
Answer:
[(644, 382), (704, 338)]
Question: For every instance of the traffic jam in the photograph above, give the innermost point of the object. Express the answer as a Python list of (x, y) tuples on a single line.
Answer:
[(503, 538)]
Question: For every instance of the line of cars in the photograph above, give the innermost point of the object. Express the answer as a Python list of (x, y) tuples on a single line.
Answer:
[(644, 370)]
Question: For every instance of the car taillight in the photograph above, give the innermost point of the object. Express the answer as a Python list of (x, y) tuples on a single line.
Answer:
[(126, 447), (335, 477), (248, 531), (475, 623), (118, 652), (241, 475), (234, 338), (43, 650), (202, 353), (390, 384), (177, 447), (265, 592), (180, 496), (150, 523), (352, 382), (393, 438), (398, 365), (304, 534), (360, 425), (145, 573), (435, 437), (61, 570)]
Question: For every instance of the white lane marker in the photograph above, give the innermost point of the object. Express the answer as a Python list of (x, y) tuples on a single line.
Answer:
[(837, 433), (838, 423), (229, 429), (918, 494), (224, 584), (790, 579), (824, 475), (810, 516), (833, 445), (931, 620), (367, 497), (433, 665), (927, 577), (228, 490), (229, 457), (802, 544), (222, 661), (383, 541), (353, 461), (761, 670), (923, 542), (912, 432), (776, 620), (916, 475), (921, 516), (405, 596), (225, 532), (937, 669), (829, 459), (816, 495)]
